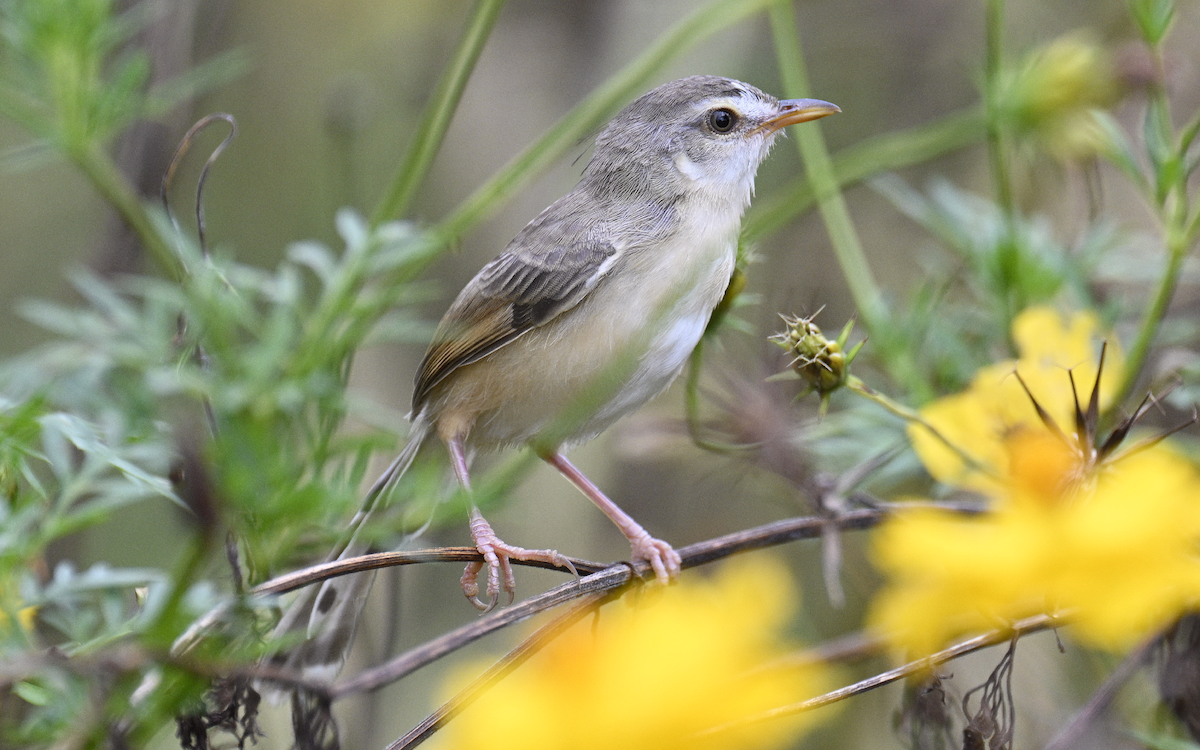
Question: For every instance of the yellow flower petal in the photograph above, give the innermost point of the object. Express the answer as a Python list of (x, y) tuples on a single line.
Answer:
[(1121, 554), (995, 405), (1115, 544), (683, 659)]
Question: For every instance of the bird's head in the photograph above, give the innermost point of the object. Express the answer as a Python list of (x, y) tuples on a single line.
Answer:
[(703, 132)]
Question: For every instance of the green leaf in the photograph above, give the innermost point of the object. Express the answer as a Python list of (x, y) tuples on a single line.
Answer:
[(1156, 130), (1164, 742), (315, 257), (33, 693), (1119, 152), (1153, 18)]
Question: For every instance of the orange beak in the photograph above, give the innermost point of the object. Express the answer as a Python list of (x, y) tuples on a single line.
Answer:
[(794, 111)]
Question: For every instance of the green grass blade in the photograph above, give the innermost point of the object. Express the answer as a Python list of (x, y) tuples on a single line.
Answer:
[(854, 164), (436, 120), (592, 111)]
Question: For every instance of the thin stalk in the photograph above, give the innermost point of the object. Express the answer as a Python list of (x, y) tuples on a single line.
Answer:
[(1193, 228), (691, 404), (1179, 233), (109, 181), (435, 121), (847, 246), (993, 58), (883, 153), (1018, 629), (1008, 251), (819, 167), (585, 116), (187, 569), (1177, 251), (912, 416), (452, 708)]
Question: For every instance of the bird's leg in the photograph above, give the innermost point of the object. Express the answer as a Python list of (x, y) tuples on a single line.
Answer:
[(496, 554), (662, 557)]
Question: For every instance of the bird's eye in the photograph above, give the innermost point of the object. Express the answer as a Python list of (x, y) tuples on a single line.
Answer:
[(722, 120)]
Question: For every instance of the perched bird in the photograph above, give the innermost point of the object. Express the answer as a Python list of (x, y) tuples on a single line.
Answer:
[(594, 307), (627, 267)]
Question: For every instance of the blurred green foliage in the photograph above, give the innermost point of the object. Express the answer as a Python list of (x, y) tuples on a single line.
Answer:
[(222, 388)]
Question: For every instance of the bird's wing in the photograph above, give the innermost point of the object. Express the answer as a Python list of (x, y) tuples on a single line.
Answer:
[(515, 293)]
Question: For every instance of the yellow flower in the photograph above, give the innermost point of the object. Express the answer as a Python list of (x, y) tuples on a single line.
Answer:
[(979, 419), (25, 618), (25, 614), (1071, 73), (1119, 553), (1111, 539), (1056, 91), (681, 660)]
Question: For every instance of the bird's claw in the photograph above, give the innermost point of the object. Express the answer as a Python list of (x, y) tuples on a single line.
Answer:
[(498, 557), (663, 558), (470, 586)]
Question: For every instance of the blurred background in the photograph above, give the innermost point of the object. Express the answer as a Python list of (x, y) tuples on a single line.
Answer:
[(325, 108)]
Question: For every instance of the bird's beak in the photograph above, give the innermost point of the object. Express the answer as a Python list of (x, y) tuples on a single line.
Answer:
[(794, 111)]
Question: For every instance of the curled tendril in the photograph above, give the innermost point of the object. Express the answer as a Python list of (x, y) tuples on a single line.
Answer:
[(181, 150)]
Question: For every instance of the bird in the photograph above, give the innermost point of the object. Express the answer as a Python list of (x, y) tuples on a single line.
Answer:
[(593, 308)]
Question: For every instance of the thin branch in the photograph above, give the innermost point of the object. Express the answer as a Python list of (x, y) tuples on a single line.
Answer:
[(610, 578), (1020, 628), (1104, 696), (447, 643), (181, 150), (333, 569)]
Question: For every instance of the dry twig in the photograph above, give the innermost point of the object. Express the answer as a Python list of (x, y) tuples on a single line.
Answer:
[(607, 579), (992, 638)]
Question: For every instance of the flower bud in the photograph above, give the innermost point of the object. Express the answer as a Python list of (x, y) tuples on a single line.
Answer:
[(1054, 93), (821, 363)]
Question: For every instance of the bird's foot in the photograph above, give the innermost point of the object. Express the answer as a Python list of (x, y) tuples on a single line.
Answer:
[(663, 558), (498, 556)]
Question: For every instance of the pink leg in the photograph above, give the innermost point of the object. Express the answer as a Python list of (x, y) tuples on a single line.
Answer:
[(662, 557), (496, 554)]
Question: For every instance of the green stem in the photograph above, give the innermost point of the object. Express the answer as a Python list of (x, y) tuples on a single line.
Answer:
[(1192, 229), (163, 628), (585, 116), (883, 153), (993, 58), (1179, 233), (1008, 252), (691, 405), (819, 167), (111, 184), (847, 247), (436, 120), (1178, 244), (912, 416)]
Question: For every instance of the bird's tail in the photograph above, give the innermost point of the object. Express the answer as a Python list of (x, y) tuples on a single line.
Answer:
[(330, 613)]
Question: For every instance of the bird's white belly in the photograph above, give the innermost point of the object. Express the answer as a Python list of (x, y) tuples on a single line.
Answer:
[(664, 359), (597, 368)]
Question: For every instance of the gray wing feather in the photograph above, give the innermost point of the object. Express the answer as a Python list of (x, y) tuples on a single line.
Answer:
[(518, 291)]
